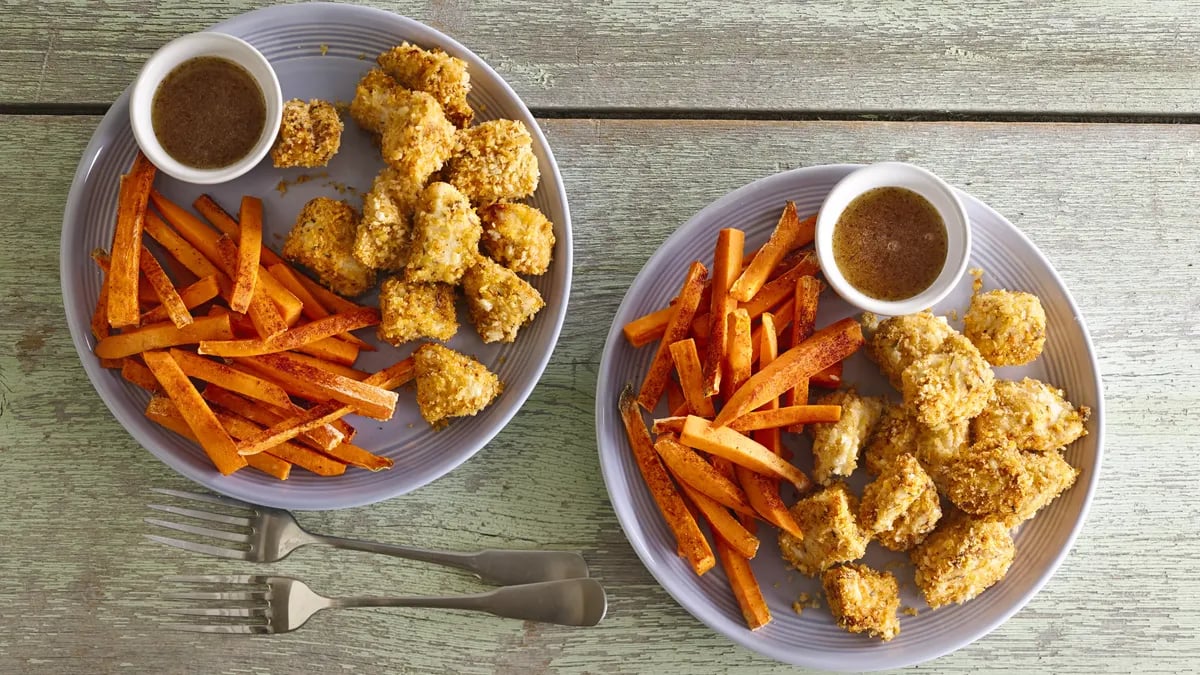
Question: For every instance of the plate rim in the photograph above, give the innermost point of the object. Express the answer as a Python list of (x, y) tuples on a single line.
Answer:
[(79, 329), (605, 415)]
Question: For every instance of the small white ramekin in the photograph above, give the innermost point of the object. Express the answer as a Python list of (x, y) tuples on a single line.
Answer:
[(922, 182), (163, 62)]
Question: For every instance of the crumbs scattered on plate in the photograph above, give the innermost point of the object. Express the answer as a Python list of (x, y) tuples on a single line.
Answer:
[(909, 611), (805, 601), (324, 49)]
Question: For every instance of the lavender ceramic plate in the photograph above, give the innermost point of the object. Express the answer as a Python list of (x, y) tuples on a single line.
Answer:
[(320, 51), (811, 639)]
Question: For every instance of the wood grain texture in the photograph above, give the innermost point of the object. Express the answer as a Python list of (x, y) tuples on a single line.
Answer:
[(1112, 206), (1120, 56)]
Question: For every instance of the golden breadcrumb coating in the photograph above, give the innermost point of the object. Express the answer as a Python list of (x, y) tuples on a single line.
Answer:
[(450, 384), (962, 558), (323, 241), (829, 520), (836, 445), (1031, 414), (948, 386), (500, 302), (417, 138), (309, 134), (1004, 482), (445, 235), (914, 524), (899, 432), (434, 72), (900, 340), (373, 99), (889, 496), (1008, 327), (382, 239), (517, 236), (494, 161), (863, 600), (415, 310), (1051, 475)]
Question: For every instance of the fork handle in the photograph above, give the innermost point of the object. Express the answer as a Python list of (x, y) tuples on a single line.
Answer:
[(493, 566), (567, 602)]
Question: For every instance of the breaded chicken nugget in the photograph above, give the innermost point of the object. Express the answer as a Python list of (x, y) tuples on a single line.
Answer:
[(888, 497), (450, 384), (836, 445), (500, 302), (434, 72), (415, 310), (899, 432), (382, 240), (917, 521), (1031, 414), (445, 235), (900, 340), (1004, 482), (1008, 327), (494, 161), (831, 532), (309, 135), (323, 241), (950, 385), (373, 99), (962, 558), (417, 138), (863, 600), (1051, 475), (517, 236)]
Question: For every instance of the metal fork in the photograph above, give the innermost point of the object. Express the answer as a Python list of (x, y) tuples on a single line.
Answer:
[(281, 604), (269, 534)]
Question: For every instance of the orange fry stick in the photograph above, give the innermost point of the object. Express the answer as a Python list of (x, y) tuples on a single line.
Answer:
[(335, 368), (249, 249), (295, 338), (827, 346), (768, 352), (100, 327), (726, 259), (356, 456), (320, 437), (127, 243), (782, 288), (782, 417), (740, 356), (164, 413), (730, 445), (239, 427), (660, 368), (220, 218), (328, 299), (374, 402), (338, 352), (690, 540), (162, 335), (216, 443), (781, 324), (177, 311), (722, 523), (262, 312), (830, 378), (675, 398), (808, 291), (136, 373), (311, 307), (226, 377), (745, 587), (687, 364), (786, 237), (183, 250), (192, 296), (689, 467), (646, 329)]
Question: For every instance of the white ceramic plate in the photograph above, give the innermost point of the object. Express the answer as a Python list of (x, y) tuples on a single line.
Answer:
[(811, 639), (320, 51)]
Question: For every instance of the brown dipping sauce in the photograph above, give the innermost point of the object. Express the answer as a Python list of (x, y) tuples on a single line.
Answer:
[(890, 243), (208, 112)]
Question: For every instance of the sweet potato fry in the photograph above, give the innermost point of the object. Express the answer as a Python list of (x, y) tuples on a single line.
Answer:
[(262, 312), (786, 416), (660, 368), (127, 243), (328, 299), (164, 413), (668, 425), (335, 368), (191, 257), (191, 228), (691, 542), (146, 294), (220, 218), (726, 259), (781, 324), (808, 290), (177, 311), (675, 398), (830, 378), (295, 338), (687, 364), (136, 373), (730, 445), (356, 456), (739, 358), (213, 438), (827, 346), (646, 329), (331, 350), (321, 437), (783, 240), (226, 377), (722, 523), (245, 274), (311, 307), (690, 468), (374, 402), (162, 335), (295, 386), (745, 587), (192, 296), (779, 290), (239, 427), (100, 327)]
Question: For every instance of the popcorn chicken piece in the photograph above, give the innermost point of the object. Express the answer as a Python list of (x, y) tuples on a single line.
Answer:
[(863, 600), (499, 301), (888, 497), (1051, 476), (962, 558), (382, 239), (417, 137), (517, 236), (309, 134), (494, 161), (900, 340), (831, 532), (1031, 414), (1004, 482), (836, 444), (450, 384), (373, 99), (415, 310), (323, 241), (1008, 327), (445, 235), (434, 72), (911, 528), (899, 432), (948, 386)]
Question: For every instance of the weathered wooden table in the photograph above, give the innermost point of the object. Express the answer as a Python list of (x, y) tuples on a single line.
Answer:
[(1078, 122)]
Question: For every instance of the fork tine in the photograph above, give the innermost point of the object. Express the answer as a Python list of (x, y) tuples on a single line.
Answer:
[(217, 595), (202, 515), (217, 579), (202, 531), (221, 628), (196, 496), (221, 611), (200, 548)]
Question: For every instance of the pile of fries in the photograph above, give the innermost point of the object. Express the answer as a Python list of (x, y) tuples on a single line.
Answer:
[(272, 348), (718, 456)]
